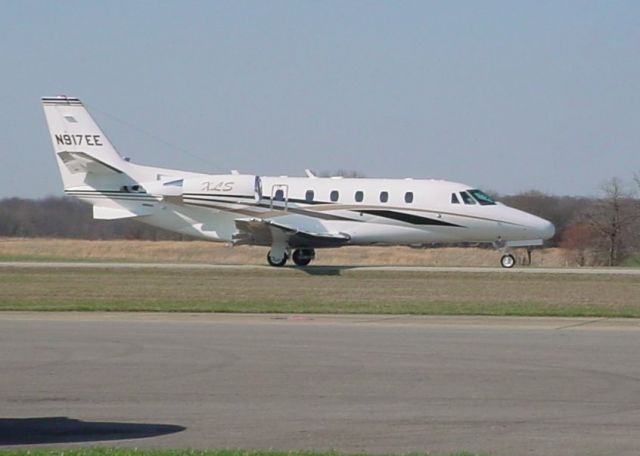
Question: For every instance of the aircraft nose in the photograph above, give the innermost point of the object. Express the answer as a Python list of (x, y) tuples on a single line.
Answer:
[(545, 229)]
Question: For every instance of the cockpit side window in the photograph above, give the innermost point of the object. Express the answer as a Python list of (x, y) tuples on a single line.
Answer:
[(482, 197), (454, 199), (467, 198)]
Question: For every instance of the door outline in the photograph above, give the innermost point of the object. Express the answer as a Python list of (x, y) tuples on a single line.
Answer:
[(285, 192)]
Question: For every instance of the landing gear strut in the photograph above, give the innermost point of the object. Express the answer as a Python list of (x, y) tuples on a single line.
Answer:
[(507, 261), (302, 257)]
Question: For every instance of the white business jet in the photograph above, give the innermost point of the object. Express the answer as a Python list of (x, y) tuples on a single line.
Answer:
[(292, 215)]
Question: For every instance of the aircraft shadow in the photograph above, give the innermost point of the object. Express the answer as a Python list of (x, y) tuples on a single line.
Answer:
[(331, 270), (324, 270), (31, 431)]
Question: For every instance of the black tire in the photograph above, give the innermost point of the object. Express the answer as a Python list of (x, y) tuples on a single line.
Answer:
[(507, 261), (276, 263), (301, 258)]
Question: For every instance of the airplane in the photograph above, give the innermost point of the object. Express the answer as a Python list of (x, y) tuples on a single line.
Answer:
[(293, 216)]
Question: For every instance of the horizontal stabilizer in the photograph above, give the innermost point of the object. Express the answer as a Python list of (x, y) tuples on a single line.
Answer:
[(81, 162), (263, 232), (113, 213)]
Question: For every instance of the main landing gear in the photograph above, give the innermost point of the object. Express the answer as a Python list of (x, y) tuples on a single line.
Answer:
[(301, 257), (277, 261)]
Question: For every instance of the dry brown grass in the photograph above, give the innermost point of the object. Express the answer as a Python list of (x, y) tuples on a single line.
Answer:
[(209, 252)]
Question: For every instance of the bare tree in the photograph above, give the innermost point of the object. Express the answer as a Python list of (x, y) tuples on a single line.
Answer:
[(612, 216)]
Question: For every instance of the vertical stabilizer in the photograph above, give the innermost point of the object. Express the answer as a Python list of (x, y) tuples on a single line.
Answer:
[(83, 152)]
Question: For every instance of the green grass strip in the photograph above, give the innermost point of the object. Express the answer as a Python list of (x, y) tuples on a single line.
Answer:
[(292, 291)]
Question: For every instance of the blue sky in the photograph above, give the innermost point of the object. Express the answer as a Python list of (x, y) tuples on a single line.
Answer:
[(503, 95)]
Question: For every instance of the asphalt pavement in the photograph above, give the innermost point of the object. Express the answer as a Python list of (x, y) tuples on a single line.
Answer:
[(506, 386)]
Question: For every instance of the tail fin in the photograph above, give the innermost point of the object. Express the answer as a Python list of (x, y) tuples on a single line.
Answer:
[(83, 152)]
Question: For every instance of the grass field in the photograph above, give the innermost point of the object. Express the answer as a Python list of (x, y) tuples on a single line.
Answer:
[(138, 452), (38, 249), (291, 290), (632, 262)]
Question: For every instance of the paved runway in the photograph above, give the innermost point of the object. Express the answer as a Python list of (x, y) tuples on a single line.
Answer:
[(508, 386), (320, 269)]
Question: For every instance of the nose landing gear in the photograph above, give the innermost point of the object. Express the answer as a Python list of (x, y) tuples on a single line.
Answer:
[(507, 261)]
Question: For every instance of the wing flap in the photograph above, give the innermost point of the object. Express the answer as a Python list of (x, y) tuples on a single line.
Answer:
[(113, 213), (263, 232)]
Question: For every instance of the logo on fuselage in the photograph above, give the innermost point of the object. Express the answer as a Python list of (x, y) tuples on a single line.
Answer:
[(217, 187)]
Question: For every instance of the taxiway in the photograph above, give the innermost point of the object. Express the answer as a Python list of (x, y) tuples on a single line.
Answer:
[(508, 386)]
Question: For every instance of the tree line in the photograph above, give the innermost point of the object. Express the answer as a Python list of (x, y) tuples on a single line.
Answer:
[(603, 230), (65, 217)]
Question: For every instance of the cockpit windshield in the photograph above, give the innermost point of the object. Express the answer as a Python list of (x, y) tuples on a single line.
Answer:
[(467, 198), (482, 197)]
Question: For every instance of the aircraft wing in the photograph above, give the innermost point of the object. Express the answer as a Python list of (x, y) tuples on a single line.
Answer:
[(114, 213), (264, 232)]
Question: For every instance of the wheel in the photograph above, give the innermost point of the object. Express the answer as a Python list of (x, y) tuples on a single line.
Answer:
[(508, 261), (273, 262), (302, 257)]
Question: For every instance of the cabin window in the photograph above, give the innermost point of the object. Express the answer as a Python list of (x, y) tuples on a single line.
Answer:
[(482, 197), (467, 198), (408, 197), (309, 196), (279, 195), (359, 196), (334, 195), (384, 197), (454, 199)]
